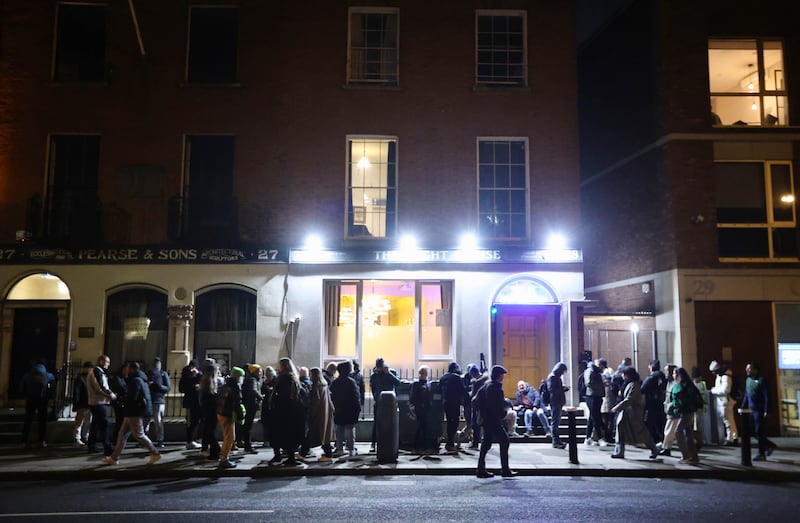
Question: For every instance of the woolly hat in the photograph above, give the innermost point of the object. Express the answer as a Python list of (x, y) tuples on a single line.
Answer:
[(714, 367), (253, 367), (237, 372)]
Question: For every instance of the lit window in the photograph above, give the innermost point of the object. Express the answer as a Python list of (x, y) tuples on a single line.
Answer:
[(501, 51), (406, 322), (503, 188), (373, 46), (371, 187), (755, 210), (746, 80), (213, 45), (80, 53)]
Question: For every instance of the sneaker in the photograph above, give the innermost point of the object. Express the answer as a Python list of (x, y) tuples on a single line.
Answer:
[(588, 442), (108, 460), (760, 457), (484, 474), (250, 450), (618, 456), (602, 443), (79, 442), (160, 444), (353, 452), (325, 459), (509, 473), (372, 448), (192, 445), (153, 459), (450, 448), (227, 464), (665, 452), (529, 433), (559, 445), (548, 434)]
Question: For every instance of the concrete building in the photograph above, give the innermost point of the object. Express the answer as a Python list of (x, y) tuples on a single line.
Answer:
[(689, 143), (162, 165)]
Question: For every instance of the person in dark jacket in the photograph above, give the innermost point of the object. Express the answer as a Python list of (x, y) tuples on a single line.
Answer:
[(36, 384), (382, 379), (477, 380), (558, 398), (252, 398), (420, 399), (493, 412), (80, 405), (359, 379), (138, 405), (100, 396), (267, 387), (756, 398), (452, 387), (346, 409), (189, 387), (117, 382), (595, 392), (158, 380), (207, 395), (230, 413), (654, 389), (287, 415)]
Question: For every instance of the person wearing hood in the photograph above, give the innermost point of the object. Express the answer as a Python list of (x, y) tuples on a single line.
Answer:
[(138, 405), (493, 412), (558, 398), (158, 380), (36, 385), (252, 398), (382, 379), (452, 387), (80, 405), (722, 397)]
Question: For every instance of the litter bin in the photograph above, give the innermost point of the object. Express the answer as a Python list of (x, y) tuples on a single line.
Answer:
[(387, 429)]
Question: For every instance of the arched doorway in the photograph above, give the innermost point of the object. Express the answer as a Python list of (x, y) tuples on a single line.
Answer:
[(35, 312), (525, 331), (225, 325)]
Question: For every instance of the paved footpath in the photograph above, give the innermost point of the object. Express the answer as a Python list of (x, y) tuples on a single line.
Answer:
[(64, 462)]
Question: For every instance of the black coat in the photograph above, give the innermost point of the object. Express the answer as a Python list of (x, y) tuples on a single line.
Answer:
[(453, 389), (138, 403), (346, 403)]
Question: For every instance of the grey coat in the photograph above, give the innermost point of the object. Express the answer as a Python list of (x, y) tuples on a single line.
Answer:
[(630, 416)]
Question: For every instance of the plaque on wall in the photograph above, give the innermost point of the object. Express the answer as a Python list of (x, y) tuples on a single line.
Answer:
[(86, 332)]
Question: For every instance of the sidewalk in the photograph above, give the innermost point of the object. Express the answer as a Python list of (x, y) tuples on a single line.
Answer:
[(64, 462)]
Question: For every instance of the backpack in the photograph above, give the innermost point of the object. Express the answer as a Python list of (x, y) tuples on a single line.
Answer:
[(479, 405), (697, 398), (544, 392), (662, 389)]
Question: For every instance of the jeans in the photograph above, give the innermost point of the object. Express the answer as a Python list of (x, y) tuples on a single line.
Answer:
[(132, 426), (158, 420), (556, 422), (595, 422), (540, 415), (683, 433), (98, 431), (345, 434)]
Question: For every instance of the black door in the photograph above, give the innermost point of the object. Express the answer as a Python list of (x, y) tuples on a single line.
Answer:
[(35, 340)]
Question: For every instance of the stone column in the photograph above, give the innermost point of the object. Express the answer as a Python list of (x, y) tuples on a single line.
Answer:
[(179, 318)]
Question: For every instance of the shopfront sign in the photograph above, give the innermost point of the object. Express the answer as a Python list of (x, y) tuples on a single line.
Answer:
[(425, 256), (23, 254)]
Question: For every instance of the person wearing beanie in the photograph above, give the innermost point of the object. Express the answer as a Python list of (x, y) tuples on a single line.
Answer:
[(230, 412)]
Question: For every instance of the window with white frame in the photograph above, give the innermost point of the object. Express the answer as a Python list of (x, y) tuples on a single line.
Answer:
[(406, 322), (747, 82), (756, 217), (212, 56), (372, 46), (501, 53), (503, 188), (371, 186)]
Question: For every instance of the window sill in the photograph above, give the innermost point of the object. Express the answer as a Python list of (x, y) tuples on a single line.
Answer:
[(759, 260), (80, 83), (210, 85), (371, 87), (496, 88)]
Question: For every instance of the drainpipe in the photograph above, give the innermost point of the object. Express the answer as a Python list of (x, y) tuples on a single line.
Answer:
[(136, 27)]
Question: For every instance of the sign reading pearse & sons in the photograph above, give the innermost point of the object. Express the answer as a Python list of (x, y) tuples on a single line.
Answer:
[(23, 254)]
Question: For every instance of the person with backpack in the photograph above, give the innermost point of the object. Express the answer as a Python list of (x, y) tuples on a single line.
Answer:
[(492, 407), (36, 384), (685, 401), (557, 392), (477, 380), (654, 389), (723, 384)]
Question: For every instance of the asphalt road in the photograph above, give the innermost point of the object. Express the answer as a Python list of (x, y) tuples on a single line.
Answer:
[(402, 498)]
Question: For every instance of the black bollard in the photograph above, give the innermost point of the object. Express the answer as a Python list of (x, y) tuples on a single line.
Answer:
[(387, 432), (744, 437), (572, 434)]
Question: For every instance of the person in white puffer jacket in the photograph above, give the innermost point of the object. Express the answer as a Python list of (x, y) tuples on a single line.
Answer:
[(724, 404)]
